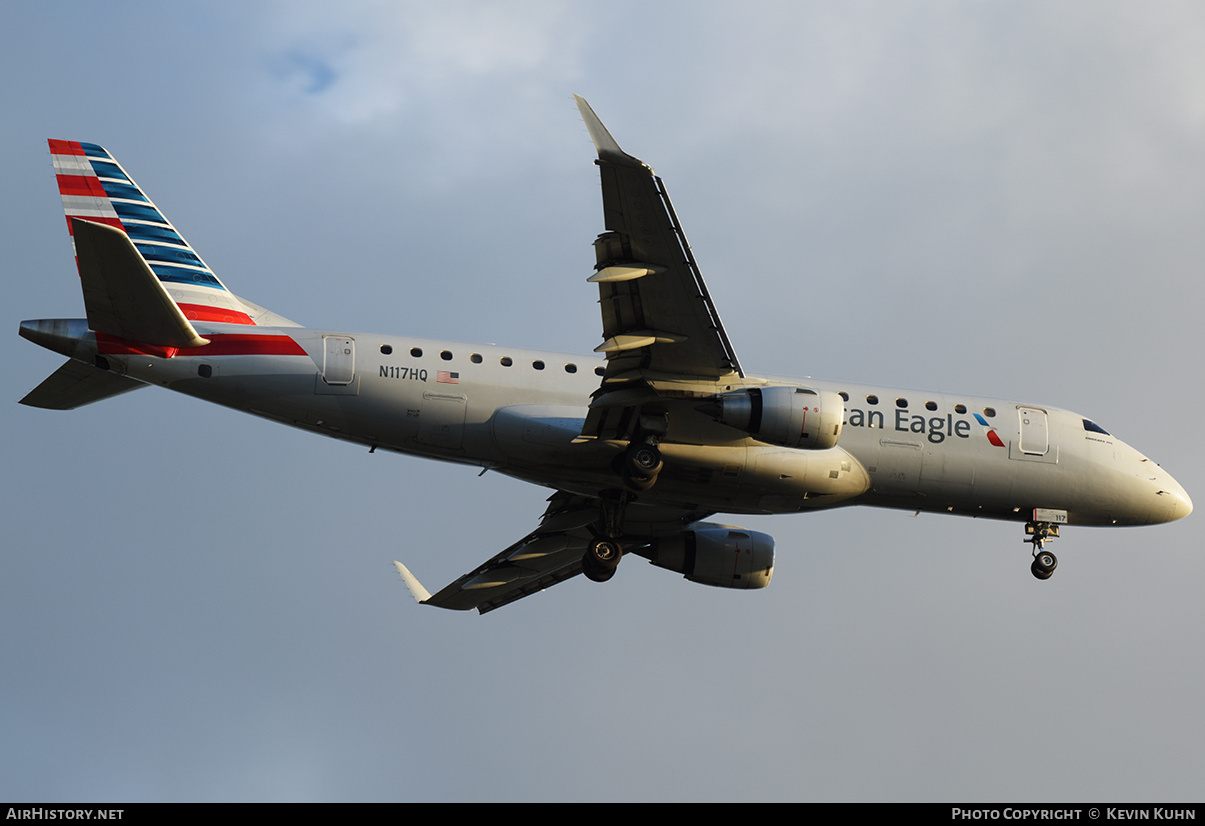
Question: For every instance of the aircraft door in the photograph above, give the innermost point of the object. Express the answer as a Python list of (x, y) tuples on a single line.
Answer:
[(441, 422), (898, 468), (339, 359), (1035, 433)]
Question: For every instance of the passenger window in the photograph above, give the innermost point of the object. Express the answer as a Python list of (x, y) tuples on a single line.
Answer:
[(872, 399), (570, 368), (475, 358), (930, 405), (417, 352), (386, 350), (539, 365), (445, 355), (505, 361), (960, 408)]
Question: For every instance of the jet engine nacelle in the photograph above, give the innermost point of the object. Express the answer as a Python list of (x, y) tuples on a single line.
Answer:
[(799, 417), (720, 555)]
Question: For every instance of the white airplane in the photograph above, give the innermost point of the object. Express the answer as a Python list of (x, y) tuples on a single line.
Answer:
[(640, 443)]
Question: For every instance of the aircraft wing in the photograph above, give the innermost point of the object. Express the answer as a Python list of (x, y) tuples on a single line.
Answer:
[(550, 554), (658, 318), (659, 322)]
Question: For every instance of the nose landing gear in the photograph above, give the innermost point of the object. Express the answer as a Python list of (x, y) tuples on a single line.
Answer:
[(1044, 562)]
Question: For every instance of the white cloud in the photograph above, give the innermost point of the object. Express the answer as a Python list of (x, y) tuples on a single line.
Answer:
[(377, 60)]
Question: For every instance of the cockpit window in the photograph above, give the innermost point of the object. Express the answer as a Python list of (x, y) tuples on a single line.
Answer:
[(1093, 427)]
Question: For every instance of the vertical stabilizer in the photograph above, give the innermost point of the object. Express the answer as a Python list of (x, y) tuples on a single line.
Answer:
[(96, 188)]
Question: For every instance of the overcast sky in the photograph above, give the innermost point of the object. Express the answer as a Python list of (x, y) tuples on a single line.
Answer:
[(991, 198)]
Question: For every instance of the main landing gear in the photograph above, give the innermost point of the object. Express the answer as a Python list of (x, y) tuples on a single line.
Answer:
[(601, 559), (638, 469), (641, 464), (1044, 562), (604, 552)]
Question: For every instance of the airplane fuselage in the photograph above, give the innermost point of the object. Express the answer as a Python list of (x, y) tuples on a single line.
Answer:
[(640, 445), (520, 412)]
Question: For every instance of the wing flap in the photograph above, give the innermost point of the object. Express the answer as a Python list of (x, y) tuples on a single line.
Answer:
[(500, 582)]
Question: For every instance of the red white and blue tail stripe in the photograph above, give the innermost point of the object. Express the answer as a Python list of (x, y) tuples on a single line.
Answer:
[(95, 187)]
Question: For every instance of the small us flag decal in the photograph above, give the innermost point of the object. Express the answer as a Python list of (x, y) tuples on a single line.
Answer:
[(447, 378)]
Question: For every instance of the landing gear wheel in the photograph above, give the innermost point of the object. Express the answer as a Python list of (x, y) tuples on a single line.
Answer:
[(641, 464), (645, 460), (601, 559), (1044, 563)]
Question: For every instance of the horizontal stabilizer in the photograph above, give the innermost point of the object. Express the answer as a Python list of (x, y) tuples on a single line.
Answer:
[(76, 384), (122, 296)]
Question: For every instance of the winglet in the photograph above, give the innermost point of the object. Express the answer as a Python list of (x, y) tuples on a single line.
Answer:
[(417, 590), (608, 148)]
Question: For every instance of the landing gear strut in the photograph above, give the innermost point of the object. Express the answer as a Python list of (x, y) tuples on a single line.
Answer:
[(638, 467), (1044, 562)]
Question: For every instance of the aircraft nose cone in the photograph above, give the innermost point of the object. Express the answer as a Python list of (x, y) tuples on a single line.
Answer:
[(1148, 495), (1182, 505), (1170, 501)]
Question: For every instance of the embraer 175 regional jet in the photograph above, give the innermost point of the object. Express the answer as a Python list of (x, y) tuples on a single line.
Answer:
[(640, 443)]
